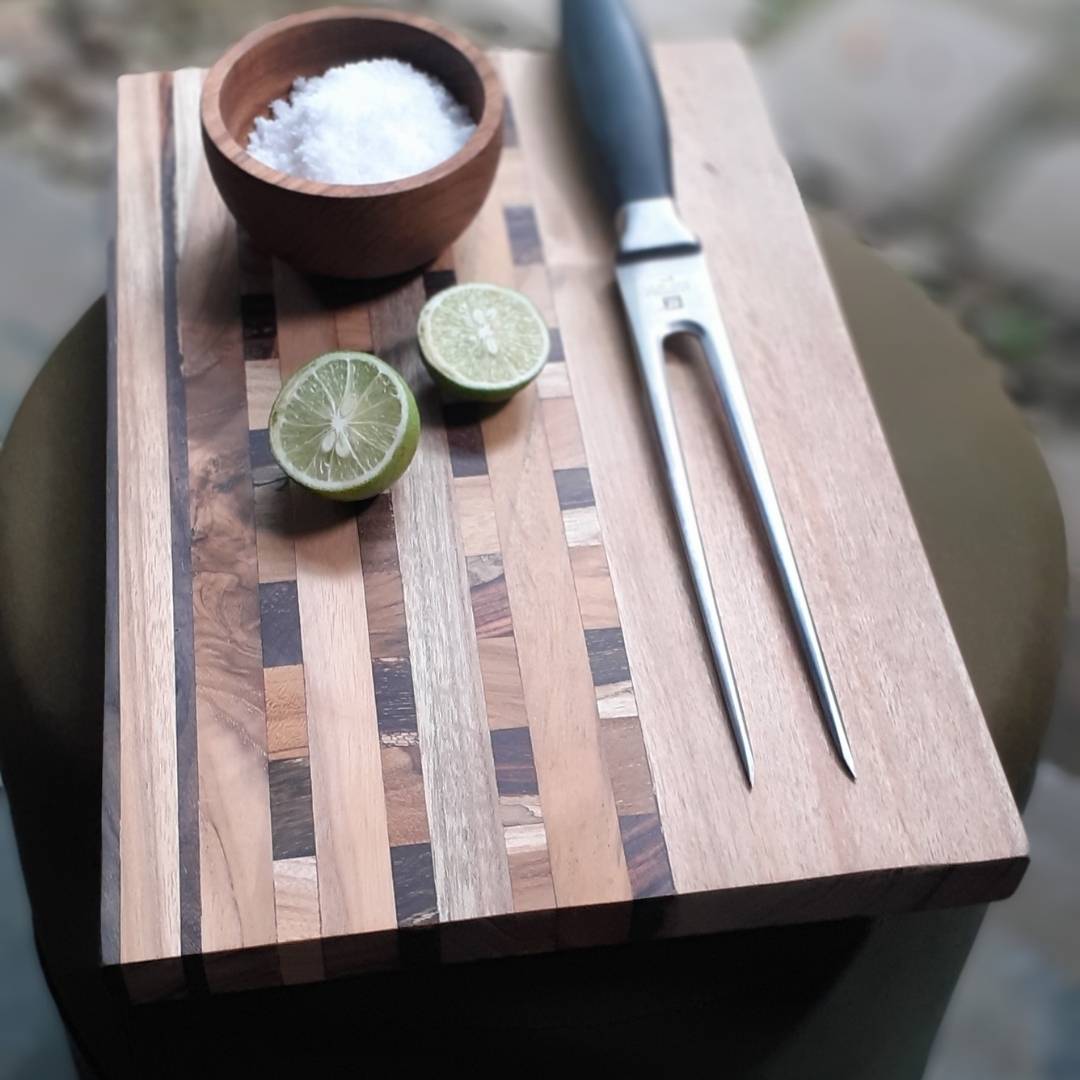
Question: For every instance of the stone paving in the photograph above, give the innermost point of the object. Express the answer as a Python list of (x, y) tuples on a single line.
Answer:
[(946, 131)]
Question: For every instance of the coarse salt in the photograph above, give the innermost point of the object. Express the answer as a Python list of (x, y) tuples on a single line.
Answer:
[(363, 123)]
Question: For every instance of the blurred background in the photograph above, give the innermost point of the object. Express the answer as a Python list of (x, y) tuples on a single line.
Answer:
[(946, 132)]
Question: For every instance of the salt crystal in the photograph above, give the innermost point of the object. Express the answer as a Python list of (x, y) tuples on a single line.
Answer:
[(362, 123)]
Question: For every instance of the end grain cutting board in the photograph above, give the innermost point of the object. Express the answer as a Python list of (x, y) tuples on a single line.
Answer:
[(478, 712)]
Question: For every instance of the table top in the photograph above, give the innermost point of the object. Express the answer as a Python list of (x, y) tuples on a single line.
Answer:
[(592, 796)]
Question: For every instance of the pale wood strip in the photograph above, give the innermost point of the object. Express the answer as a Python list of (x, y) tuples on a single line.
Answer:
[(586, 855), (476, 514), (263, 384), (582, 526), (592, 580), (459, 778), (237, 888), (356, 891), (149, 839), (616, 699), (563, 433), (502, 683), (553, 382), (532, 280), (296, 897), (628, 765)]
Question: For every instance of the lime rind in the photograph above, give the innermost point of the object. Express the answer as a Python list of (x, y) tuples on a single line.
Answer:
[(483, 341), (345, 425)]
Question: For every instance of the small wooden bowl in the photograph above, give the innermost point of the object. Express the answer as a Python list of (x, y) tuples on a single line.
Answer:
[(349, 230)]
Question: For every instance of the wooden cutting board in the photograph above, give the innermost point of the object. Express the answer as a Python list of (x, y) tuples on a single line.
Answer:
[(475, 716)]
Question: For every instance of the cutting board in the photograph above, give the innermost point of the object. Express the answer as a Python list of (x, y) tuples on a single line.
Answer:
[(475, 717)]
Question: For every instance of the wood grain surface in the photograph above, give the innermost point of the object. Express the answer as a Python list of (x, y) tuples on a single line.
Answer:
[(474, 716)]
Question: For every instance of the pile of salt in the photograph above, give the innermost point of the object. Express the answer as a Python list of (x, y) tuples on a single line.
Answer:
[(362, 123)]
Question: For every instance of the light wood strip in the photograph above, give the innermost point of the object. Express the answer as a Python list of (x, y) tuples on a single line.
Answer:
[(296, 895), (592, 580), (585, 848), (502, 683), (237, 887), (459, 778), (263, 384), (563, 433), (356, 891), (476, 514), (286, 709), (149, 840), (582, 525), (553, 382)]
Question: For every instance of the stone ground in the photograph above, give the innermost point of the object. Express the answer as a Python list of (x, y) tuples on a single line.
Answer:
[(946, 131)]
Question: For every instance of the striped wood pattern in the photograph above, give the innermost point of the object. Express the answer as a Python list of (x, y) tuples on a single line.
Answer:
[(474, 716)]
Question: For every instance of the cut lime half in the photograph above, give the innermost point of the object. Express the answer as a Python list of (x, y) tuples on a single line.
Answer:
[(483, 341), (345, 425)]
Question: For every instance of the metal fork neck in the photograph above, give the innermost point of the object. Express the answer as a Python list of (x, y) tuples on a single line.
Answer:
[(648, 228)]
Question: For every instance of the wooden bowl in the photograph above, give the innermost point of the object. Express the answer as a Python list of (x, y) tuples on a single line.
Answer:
[(349, 230)]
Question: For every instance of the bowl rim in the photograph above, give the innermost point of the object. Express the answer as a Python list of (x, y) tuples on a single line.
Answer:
[(487, 128)]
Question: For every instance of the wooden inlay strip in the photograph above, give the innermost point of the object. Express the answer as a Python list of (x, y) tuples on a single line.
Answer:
[(459, 780), (149, 829), (259, 319), (290, 808), (530, 874), (296, 896), (237, 888), (623, 748), (585, 850), (356, 892), (286, 710)]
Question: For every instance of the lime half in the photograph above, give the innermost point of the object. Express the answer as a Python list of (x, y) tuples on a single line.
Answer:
[(483, 341), (345, 425)]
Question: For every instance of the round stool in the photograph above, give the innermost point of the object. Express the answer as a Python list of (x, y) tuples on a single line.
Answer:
[(857, 999)]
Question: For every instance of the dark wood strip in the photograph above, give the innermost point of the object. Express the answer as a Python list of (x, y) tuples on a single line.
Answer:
[(394, 701), (574, 488), (291, 819), (256, 269), (280, 621), (646, 855), (187, 773), (510, 131), (258, 317), (465, 439), (490, 601), (557, 354), (607, 656), (265, 468), (521, 227), (515, 770), (414, 885), (110, 751), (437, 280)]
